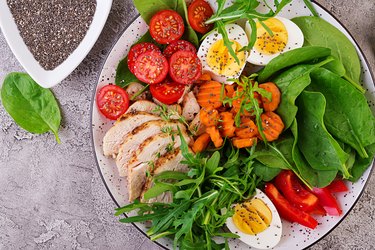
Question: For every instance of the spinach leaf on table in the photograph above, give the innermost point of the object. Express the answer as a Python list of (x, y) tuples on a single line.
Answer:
[(348, 116), (292, 57), (318, 32), (291, 83), (314, 177), (32, 107), (317, 145)]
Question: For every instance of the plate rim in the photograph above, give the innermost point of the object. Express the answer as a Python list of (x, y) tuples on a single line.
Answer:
[(101, 174)]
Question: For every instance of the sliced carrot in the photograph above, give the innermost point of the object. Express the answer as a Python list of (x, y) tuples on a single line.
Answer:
[(204, 78), (247, 128), (201, 143), (271, 105), (272, 125), (215, 136), (209, 95), (243, 142), (229, 89), (209, 116), (227, 124)]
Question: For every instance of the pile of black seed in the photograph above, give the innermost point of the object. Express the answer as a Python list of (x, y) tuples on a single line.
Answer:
[(52, 29)]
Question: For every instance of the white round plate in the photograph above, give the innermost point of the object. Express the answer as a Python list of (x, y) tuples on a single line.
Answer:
[(294, 236)]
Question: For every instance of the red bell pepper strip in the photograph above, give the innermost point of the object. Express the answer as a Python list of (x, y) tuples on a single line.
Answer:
[(337, 186), (328, 201), (287, 210), (318, 210), (293, 190)]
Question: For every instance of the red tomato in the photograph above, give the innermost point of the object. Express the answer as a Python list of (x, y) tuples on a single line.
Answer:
[(177, 46), (167, 92), (151, 67), (287, 210), (288, 183), (198, 12), (137, 50), (185, 67), (112, 101), (328, 201), (337, 186), (166, 26)]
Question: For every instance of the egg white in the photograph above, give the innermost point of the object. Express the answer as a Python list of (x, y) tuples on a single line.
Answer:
[(236, 33), (267, 239), (295, 40)]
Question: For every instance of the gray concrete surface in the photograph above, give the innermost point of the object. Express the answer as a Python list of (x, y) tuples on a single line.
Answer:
[(52, 197)]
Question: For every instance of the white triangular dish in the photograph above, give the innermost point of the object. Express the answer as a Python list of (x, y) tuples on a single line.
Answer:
[(49, 78)]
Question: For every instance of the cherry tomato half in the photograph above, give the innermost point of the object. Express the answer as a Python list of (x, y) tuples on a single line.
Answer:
[(151, 67), (137, 50), (177, 46), (198, 12), (185, 67), (166, 26), (112, 101), (167, 92)]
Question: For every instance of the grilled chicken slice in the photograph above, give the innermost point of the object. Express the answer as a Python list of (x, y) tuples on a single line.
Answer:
[(136, 180), (190, 106), (168, 162), (154, 146), (138, 136), (196, 127), (116, 135), (143, 105)]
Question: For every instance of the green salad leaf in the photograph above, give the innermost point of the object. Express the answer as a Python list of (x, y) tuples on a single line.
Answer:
[(32, 107)]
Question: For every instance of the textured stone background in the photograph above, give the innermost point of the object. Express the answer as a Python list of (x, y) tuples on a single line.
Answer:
[(52, 197)]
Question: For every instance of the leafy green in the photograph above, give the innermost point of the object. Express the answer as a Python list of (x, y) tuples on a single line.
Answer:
[(361, 164), (123, 75), (264, 172), (291, 83), (348, 119), (292, 57), (190, 34), (311, 7), (317, 145), (32, 107), (318, 32), (147, 8), (315, 178), (202, 198)]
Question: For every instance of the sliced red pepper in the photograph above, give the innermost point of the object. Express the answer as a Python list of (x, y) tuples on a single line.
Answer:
[(293, 190), (318, 210), (287, 210), (337, 186), (327, 201)]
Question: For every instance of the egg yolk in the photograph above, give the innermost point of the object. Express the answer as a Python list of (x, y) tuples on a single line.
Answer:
[(222, 62), (252, 217), (268, 44)]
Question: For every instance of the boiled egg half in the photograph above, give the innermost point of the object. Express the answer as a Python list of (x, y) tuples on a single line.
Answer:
[(257, 222), (215, 56), (286, 35)]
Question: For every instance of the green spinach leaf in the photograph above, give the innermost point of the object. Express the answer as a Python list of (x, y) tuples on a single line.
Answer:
[(348, 116), (32, 107), (314, 177), (264, 172), (291, 83), (147, 8), (318, 32), (292, 57), (317, 145), (361, 164)]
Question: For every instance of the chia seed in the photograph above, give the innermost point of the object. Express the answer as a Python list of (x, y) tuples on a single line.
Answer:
[(52, 29)]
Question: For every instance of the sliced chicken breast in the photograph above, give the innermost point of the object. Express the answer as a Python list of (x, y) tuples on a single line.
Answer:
[(157, 145), (136, 180), (168, 162), (143, 105), (190, 106), (138, 136), (116, 135), (196, 127)]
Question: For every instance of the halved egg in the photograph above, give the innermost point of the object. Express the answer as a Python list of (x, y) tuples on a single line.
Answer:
[(215, 56), (286, 35), (257, 222)]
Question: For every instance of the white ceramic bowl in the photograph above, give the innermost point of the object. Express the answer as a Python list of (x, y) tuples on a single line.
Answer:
[(49, 78)]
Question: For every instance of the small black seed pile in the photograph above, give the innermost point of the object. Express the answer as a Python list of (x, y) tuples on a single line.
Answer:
[(52, 29)]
